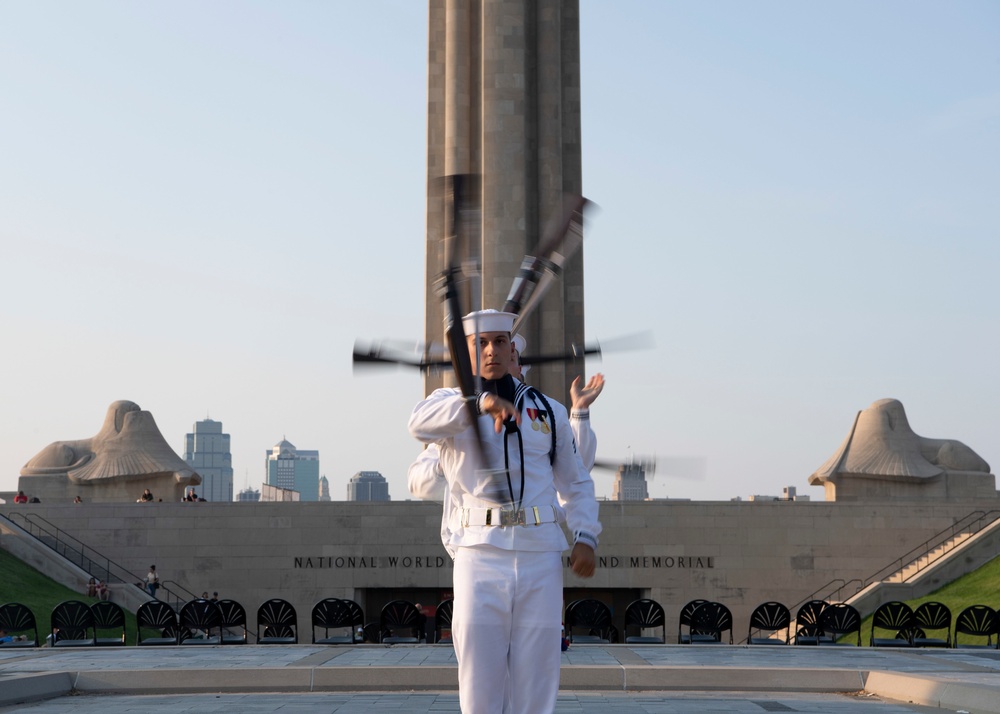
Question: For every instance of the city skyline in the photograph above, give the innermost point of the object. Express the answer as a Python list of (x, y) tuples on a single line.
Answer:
[(796, 200)]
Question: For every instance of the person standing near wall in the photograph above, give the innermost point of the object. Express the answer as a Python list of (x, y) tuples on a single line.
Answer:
[(152, 581), (506, 494)]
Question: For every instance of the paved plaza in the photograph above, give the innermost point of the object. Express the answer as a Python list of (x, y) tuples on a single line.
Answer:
[(419, 703), (422, 678)]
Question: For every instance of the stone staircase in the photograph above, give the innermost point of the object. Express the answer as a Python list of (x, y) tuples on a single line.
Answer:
[(62, 568), (928, 559), (972, 542), (969, 548)]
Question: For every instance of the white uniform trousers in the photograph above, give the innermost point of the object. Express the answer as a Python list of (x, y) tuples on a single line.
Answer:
[(505, 627)]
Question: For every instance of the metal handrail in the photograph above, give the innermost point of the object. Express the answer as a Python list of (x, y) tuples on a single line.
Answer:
[(177, 601), (812, 596), (815, 595), (970, 524), (37, 526), (828, 593)]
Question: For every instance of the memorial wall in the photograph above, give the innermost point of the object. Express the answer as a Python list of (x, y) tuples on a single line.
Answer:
[(739, 553)]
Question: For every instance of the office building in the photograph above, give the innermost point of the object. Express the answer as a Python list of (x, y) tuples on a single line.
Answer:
[(207, 451), (368, 486), (630, 483), (248, 495), (293, 470), (275, 494)]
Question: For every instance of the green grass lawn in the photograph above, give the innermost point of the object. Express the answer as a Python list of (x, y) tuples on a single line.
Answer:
[(22, 583), (980, 587)]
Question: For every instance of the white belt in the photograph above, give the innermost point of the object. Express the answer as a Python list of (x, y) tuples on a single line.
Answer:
[(531, 516)]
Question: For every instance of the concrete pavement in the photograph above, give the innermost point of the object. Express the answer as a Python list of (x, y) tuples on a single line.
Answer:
[(422, 678)]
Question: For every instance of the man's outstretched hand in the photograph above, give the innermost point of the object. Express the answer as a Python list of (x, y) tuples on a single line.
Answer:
[(583, 396)]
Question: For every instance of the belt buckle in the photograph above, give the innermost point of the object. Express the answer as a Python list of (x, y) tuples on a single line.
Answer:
[(512, 517)]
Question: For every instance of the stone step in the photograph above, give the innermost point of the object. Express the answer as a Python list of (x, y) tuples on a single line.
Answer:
[(928, 558)]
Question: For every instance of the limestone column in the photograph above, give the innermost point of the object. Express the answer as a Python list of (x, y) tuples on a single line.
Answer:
[(504, 103)]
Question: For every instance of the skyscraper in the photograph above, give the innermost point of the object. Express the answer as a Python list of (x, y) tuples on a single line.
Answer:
[(368, 486), (248, 495), (293, 469), (207, 452), (630, 483), (324, 488)]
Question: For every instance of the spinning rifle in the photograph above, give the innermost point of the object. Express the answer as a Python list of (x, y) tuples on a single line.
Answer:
[(459, 201), (381, 354), (535, 276), (538, 272)]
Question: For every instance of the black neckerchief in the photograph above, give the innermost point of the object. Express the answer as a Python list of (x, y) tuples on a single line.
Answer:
[(505, 388)]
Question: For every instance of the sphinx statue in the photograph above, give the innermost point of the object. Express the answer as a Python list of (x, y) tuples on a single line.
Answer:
[(126, 456), (882, 457)]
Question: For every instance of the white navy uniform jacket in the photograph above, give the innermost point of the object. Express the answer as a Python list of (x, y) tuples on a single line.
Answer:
[(444, 421)]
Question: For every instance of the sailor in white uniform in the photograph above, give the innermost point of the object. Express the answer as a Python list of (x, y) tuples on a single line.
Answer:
[(425, 479), (505, 500)]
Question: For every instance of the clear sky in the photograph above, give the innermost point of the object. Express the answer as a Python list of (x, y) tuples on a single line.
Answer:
[(203, 205)]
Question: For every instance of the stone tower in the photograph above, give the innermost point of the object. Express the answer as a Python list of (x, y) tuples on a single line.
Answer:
[(504, 104)]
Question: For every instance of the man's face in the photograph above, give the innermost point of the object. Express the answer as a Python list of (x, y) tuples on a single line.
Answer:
[(494, 353), (515, 362)]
